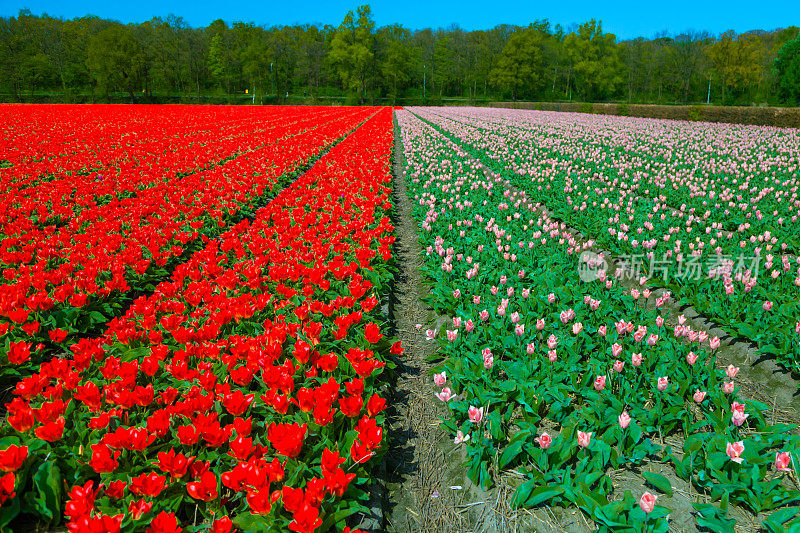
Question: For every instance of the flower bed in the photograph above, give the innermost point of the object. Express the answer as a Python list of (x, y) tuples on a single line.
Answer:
[(244, 392), (63, 279), (708, 211), (564, 381)]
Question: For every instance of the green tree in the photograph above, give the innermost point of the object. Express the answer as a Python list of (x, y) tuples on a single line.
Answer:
[(115, 59), (397, 57), (787, 70), (309, 69), (221, 55), (736, 62), (351, 51), (256, 58), (519, 67), (595, 60)]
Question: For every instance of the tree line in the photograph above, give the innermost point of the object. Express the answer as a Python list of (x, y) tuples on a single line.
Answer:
[(360, 63)]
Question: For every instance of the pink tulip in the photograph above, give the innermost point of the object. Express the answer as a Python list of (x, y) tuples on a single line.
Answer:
[(636, 359), (599, 383), (624, 419), (734, 451), (515, 318), (551, 298), (440, 379), (618, 366), (691, 358), (738, 415), (714, 343), (530, 349), (782, 461), (659, 321), (576, 328), (662, 383), (552, 342), (544, 441), (699, 396), (452, 335), (652, 340), (519, 329), (648, 502), (484, 315), (767, 305), (488, 361), (476, 300), (540, 324), (475, 414), (552, 356), (731, 371), (460, 437), (616, 349), (430, 334), (737, 418), (456, 294), (469, 325), (727, 387), (457, 322), (584, 439), (446, 395), (602, 331)]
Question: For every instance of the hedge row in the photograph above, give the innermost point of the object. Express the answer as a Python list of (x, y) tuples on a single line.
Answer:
[(785, 117)]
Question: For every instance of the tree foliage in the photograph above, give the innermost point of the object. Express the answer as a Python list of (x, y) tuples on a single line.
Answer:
[(352, 52), (115, 58), (787, 67), (595, 61), (519, 68), (166, 59)]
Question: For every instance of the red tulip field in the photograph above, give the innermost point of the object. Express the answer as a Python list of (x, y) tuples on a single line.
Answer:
[(310, 319)]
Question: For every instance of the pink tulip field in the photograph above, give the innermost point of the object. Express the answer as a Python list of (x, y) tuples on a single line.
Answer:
[(563, 378)]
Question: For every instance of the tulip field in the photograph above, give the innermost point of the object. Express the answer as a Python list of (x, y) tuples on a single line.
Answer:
[(241, 391), (561, 379), (199, 322)]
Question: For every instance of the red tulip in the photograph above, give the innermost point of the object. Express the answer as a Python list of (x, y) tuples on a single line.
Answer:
[(52, 431), (12, 458), (205, 489)]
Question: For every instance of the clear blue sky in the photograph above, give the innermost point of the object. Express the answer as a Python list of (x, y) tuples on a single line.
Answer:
[(627, 19)]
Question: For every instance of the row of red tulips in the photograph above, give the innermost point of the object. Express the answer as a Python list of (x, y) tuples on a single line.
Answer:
[(61, 280), (243, 392)]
